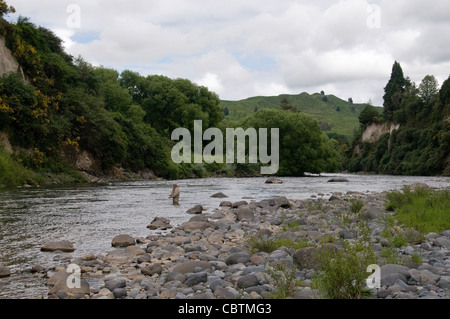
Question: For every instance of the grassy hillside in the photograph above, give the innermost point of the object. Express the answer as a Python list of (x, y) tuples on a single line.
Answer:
[(334, 115)]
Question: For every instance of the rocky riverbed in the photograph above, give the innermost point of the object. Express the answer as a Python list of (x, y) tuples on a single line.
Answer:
[(212, 255)]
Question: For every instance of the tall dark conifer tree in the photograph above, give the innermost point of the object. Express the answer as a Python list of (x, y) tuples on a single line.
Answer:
[(393, 91)]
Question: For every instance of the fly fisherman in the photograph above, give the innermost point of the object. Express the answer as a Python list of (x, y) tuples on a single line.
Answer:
[(175, 195)]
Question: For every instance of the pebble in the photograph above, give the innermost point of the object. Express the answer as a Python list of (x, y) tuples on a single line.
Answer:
[(209, 256)]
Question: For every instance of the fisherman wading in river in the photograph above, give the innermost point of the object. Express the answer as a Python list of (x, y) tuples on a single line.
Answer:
[(175, 195)]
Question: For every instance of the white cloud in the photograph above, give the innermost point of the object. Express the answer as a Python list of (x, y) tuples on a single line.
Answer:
[(211, 81), (259, 47)]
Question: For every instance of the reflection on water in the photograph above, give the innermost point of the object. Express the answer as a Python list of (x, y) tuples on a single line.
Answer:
[(91, 215)]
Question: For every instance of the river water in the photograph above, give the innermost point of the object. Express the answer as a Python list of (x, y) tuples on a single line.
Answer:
[(91, 215)]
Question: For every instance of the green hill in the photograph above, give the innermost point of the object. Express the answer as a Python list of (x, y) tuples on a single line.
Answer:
[(333, 114)]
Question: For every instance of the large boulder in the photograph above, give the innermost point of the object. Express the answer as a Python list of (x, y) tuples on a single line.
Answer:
[(239, 257), (390, 273), (244, 212), (197, 209), (61, 281), (443, 242), (371, 212), (282, 201), (160, 223), (195, 225), (63, 245), (123, 241)]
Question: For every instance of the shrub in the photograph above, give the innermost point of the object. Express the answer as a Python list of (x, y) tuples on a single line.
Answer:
[(283, 279), (343, 272)]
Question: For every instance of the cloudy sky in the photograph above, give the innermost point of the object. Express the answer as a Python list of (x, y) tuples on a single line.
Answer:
[(244, 48)]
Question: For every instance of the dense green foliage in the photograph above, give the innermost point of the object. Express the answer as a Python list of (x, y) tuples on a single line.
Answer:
[(303, 147), (65, 106), (421, 145)]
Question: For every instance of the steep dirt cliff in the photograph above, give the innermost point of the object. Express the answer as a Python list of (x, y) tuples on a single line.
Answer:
[(8, 62), (375, 130)]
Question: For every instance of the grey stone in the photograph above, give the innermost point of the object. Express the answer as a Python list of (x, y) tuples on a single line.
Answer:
[(391, 279), (214, 284), (394, 268), (194, 225), (59, 280), (383, 293), (219, 195), (273, 180), (160, 223), (197, 209), (118, 256), (401, 285), (192, 247), (63, 245), (405, 295), (190, 265), (225, 204), (115, 283), (333, 198), (193, 279), (371, 212), (239, 257), (306, 294), (119, 293), (247, 281), (223, 293), (244, 213), (282, 201), (346, 234), (123, 241), (239, 203), (444, 282), (443, 242), (62, 294), (338, 180), (253, 269), (152, 269), (4, 271), (143, 258)]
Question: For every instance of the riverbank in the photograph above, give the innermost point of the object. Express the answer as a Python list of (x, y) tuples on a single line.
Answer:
[(232, 251)]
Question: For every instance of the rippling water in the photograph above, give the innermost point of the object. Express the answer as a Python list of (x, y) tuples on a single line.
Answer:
[(91, 215)]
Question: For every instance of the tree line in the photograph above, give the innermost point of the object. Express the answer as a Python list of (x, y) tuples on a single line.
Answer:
[(421, 146)]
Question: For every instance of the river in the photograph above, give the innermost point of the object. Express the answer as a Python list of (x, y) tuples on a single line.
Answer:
[(91, 215)]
